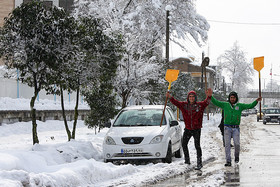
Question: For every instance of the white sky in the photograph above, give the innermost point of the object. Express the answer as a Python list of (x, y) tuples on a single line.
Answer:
[(255, 40)]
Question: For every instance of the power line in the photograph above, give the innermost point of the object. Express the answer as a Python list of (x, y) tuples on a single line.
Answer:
[(242, 23)]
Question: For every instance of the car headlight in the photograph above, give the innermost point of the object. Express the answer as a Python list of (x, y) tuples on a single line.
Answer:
[(156, 139), (110, 141)]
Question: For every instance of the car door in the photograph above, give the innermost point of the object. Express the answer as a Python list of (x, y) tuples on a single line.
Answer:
[(175, 131)]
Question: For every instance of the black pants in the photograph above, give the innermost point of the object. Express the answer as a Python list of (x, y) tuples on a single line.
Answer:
[(186, 137)]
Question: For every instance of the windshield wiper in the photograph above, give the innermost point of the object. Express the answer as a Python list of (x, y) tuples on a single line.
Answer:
[(122, 125), (141, 124)]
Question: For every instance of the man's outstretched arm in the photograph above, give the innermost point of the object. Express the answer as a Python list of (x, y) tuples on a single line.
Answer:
[(209, 93)]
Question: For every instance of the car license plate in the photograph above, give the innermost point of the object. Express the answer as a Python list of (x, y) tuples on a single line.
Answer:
[(136, 150)]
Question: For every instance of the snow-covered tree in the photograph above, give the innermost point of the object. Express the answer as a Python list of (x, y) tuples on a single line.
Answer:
[(142, 24), (182, 86), (66, 61), (30, 43), (92, 67), (61, 53), (102, 54), (272, 86), (236, 67)]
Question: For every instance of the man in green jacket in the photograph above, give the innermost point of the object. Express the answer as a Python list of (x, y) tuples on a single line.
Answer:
[(232, 115)]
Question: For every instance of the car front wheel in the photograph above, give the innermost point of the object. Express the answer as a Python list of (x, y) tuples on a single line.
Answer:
[(168, 158)]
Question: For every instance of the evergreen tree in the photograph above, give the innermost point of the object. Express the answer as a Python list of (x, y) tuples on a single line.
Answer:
[(101, 55), (29, 40)]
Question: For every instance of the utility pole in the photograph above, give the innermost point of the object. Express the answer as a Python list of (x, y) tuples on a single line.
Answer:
[(205, 62), (167, 37), (201, 85)]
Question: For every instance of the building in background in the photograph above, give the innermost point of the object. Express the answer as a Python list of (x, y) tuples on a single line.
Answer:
[(186, 65), (6, 6)]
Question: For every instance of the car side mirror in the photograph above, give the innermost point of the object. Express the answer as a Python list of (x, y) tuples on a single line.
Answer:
[(108, 124), (174, 123)]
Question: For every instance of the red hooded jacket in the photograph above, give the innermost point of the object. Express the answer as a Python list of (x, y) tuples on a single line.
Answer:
[(192, 113)]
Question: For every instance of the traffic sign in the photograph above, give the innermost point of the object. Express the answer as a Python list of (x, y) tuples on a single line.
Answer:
[(258, 63)]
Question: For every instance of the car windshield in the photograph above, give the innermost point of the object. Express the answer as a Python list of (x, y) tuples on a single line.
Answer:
[(148, 117), (272, 111)]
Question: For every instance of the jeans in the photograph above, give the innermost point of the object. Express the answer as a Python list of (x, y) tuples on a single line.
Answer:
[(235, 134), (186, 137)]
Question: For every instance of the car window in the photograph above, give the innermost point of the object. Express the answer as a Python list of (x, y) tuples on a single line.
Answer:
[(143, 117), (172, 117), (272, 111), (168, 116)]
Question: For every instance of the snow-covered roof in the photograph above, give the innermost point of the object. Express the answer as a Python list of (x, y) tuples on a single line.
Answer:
[(191, 61)]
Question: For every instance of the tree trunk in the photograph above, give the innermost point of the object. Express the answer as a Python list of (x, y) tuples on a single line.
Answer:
[(64, 116), (33, 117), (123, 101), (76, 114), (125, 95)]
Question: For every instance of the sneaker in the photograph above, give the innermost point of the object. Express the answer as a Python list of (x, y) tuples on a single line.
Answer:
[(228, 164), (236, 160)]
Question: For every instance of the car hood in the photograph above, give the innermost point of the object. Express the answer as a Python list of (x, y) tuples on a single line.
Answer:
[(135, 131)]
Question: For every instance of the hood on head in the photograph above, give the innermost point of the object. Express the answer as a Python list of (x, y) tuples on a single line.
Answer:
[(233, 94), (193, 93)]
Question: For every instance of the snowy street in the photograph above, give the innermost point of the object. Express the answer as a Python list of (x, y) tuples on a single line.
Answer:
[(56, 162), (260, 156), (259, 160)]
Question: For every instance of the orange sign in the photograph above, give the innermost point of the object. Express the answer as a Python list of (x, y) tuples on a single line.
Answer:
[(258, 63), (171, 75)]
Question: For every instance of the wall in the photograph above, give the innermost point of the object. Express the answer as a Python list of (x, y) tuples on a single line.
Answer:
[(14, 116), (6, 6)]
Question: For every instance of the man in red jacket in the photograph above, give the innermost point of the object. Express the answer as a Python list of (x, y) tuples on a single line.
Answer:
[(192, 111)]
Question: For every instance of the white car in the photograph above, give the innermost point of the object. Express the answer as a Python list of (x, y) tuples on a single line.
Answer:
[(271, 115), (136, 134)]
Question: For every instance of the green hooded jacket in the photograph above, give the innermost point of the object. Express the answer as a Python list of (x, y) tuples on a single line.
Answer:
[(232, 113)]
